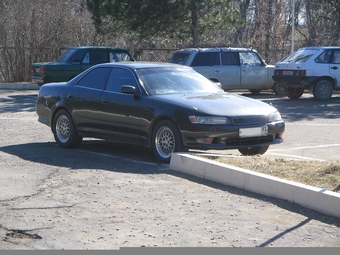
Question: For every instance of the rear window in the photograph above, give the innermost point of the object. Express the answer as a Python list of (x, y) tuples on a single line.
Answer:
[(300, 56), (67, 56), (179, 58)]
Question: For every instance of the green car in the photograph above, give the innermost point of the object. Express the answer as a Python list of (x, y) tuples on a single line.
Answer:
[(74, 61)]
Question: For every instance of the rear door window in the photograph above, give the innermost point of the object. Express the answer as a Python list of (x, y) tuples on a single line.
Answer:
[(206, 59), (95, 57), (230, 59), (96, 78)]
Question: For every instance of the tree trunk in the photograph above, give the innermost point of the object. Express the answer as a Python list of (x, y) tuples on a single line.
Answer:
[(195, 26)]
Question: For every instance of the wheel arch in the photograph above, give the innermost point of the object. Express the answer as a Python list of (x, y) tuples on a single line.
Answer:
[(154, 124), (327, 78), (55, 112)]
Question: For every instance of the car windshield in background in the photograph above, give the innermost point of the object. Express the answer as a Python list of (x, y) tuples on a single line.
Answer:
[(67, 56), (163, 81), (301, 55)]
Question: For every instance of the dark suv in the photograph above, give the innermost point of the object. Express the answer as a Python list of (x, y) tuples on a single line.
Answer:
[(233, 68), (74, 61)]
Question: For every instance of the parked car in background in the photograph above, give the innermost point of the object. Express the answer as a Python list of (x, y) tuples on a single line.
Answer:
[(74, 61), (233, 68), (316, 69), (162, 106)]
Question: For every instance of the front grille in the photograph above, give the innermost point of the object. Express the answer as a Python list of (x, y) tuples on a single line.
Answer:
[(249, 120)]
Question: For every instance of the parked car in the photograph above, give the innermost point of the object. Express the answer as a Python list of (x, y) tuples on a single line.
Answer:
[(165, 107), (316, 69), (233, 68), (74, 61)]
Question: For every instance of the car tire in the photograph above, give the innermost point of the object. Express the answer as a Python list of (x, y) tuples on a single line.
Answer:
[(250, 151), (278, 89), (323, 90), (166, 139), (64, 130), (294, 93)]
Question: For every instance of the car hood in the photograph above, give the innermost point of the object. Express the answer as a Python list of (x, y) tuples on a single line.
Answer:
[(222, 104)]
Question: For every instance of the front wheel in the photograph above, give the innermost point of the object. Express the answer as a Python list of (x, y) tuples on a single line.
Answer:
[(64, 130), (166, 139), (323, 90), (294, 93), (257, 150)]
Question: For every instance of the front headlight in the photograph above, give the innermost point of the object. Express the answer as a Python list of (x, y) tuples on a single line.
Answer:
[(276, 116), (209, 120)]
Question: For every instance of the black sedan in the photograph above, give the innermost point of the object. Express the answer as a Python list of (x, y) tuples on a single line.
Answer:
[(165, 107)]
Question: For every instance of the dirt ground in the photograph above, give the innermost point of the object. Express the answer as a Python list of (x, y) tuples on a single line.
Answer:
[(108, 196)]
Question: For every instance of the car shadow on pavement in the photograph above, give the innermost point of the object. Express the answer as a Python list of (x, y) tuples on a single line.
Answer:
[(96, 155), (89, 155)]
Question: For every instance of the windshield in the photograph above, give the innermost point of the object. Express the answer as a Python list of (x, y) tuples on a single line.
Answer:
[(162, 81), (301, 55), (67, 56)]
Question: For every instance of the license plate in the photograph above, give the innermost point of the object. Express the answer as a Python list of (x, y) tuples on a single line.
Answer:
[(37, 70), (288, 72), (253, 132)]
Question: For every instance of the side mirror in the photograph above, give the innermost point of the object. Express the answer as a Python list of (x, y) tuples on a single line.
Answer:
[(128, 89)]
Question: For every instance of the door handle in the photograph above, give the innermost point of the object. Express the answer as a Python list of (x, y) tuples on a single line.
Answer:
[(334, 67)]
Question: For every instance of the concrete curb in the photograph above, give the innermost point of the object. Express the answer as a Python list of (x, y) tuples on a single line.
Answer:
[(320, 200), (19, 86)]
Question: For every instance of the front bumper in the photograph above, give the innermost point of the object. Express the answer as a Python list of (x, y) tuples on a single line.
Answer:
[(228, 137)]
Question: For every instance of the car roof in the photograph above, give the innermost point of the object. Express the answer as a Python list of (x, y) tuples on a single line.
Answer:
[(97, 47), (320, 47), (216, 49), (142, 64)]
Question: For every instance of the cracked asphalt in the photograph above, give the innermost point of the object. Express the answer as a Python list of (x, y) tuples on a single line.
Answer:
[(109, 196)]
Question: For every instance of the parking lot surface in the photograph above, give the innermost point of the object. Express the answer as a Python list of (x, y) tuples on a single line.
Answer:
[(107, 196)]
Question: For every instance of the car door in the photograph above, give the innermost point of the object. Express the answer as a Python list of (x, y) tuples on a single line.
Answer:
[(253, 72), (334, 67), (229, 72), (84, 100), (205, 62), (120, 112)]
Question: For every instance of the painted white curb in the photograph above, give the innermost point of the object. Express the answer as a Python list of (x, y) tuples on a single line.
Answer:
[(320, 200)]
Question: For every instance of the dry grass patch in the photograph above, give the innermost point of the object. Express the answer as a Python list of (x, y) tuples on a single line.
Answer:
[(321, 174)]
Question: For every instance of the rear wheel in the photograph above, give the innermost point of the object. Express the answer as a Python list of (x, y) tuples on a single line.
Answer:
[(278, 89), (294, 93), (257, 150), (64, 130), (323, 90), (166, 139)]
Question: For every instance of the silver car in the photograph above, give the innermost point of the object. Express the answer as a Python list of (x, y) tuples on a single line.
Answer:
[(233, 68)]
